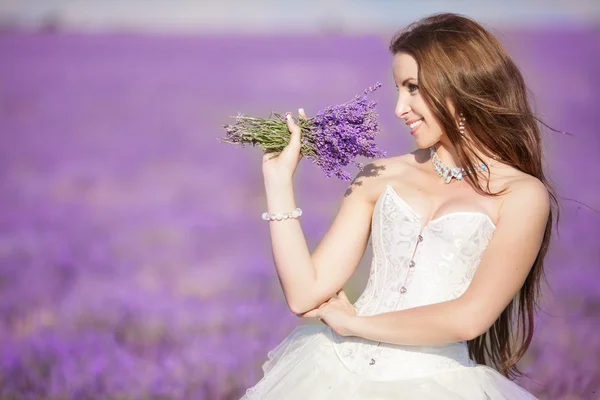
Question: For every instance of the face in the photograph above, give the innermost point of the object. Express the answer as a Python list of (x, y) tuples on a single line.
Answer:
[(411, 107)]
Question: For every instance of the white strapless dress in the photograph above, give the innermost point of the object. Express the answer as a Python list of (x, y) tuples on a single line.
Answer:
[(411, 266)]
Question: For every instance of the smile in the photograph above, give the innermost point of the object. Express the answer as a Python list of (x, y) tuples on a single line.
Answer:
[(415, 125)]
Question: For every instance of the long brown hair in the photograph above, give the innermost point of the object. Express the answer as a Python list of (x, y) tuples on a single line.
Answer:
[(463, 64)]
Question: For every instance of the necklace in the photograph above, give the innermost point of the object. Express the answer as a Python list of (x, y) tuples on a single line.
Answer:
[(448, 173)]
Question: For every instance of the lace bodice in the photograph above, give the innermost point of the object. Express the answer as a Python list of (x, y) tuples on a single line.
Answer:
[(414, 266)]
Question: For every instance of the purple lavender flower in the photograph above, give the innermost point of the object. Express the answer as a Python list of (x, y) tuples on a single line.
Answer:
[(332, 139), (342, 132)]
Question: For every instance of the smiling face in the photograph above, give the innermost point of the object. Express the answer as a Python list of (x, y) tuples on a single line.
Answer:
[(411, 106)]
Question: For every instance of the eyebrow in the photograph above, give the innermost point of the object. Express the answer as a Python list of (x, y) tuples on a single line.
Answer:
[(406, 81)]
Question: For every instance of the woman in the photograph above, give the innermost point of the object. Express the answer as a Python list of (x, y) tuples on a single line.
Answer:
[(457, 251)]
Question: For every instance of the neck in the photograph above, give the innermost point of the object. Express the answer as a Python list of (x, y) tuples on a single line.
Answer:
[(447, 153)]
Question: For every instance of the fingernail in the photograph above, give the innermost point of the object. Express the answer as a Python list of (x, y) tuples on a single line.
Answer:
[(288, 115), (301, 110)]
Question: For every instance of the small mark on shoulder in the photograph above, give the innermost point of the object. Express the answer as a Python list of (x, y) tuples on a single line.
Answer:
[(371, 170)]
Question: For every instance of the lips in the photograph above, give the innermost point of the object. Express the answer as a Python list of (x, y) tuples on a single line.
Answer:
[(415, 125)]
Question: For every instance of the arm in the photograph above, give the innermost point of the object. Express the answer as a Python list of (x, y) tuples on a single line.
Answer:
[(308, 281), (503, 269)]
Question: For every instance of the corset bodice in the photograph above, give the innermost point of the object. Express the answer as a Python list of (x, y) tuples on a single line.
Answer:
[(413, 266)]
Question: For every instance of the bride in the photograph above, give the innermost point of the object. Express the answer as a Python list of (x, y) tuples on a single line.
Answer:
[(460, 228)]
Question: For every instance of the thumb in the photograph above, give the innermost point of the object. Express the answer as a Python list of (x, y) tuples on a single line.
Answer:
[(267, 156), (342, 295)]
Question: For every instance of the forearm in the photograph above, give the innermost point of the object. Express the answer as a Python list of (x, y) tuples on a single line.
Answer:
[(433, 324), (290, 252)]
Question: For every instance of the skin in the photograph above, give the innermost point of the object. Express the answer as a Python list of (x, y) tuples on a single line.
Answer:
[(310, 281)]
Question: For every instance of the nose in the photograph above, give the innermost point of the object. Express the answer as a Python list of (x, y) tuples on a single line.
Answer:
[(402, 106)]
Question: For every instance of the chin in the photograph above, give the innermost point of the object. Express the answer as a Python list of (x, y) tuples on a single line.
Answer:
[(425, 143)]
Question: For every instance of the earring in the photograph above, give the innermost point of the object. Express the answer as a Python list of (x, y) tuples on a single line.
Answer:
[(461, 123)]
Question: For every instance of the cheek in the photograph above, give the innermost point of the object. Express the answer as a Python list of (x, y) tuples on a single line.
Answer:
[(421, 106), (433, 125), (423, 109), (430, 135)]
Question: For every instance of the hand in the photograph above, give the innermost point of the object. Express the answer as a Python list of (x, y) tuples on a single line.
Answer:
[(281, 168), (335, 313)]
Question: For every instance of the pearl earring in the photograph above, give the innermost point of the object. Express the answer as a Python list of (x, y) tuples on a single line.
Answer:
[(461, 123)]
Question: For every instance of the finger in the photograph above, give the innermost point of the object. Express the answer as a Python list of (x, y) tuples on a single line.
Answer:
[(292, 127), (295, 132), (342, 295), (311, 314), (301, 113), (291, 124)]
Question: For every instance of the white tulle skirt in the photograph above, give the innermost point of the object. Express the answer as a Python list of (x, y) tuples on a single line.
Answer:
[(316, 373)]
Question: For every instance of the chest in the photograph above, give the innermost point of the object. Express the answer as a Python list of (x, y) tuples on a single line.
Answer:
[(431, 199)]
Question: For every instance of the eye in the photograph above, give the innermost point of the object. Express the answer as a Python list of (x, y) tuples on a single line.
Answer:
[(412, 87)]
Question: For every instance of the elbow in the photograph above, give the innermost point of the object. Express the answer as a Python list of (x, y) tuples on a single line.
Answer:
[(296, 309), (297, 305), (474, 324), (305, 300), (303, 304), (300, 308), (471, 331)]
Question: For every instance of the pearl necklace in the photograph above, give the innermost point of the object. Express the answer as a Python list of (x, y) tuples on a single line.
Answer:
[(448, 173)]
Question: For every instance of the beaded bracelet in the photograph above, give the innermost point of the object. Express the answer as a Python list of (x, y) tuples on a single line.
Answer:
[(279, 216)]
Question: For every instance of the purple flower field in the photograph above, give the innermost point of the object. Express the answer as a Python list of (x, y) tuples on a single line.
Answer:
[(133, 260)]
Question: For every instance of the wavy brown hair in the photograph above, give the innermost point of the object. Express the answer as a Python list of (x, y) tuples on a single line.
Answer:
[(462, 64)]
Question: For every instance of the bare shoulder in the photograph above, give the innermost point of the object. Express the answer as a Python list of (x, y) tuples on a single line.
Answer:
[(524, 186), (370, 182), (526, 196)]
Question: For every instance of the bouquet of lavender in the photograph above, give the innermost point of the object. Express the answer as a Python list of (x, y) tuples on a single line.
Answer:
[(331, 139)]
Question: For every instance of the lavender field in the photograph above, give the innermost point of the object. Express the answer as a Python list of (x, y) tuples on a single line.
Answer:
[(133, 260)]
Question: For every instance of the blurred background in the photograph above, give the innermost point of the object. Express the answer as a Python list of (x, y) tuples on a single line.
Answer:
[(133, 260)]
